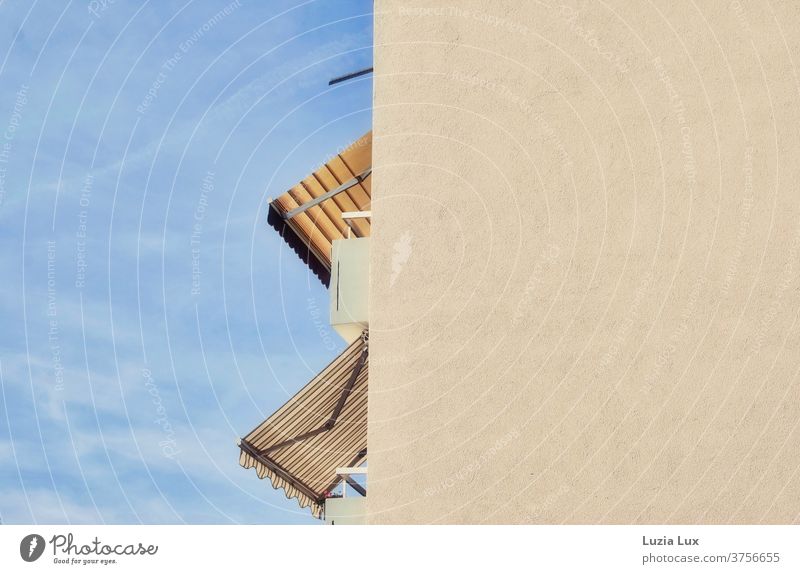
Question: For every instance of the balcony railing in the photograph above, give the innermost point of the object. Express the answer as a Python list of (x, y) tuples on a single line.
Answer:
[(344, 509)]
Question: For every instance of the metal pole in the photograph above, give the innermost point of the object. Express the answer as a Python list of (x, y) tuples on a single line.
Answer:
[(317, 200), (350, 76)]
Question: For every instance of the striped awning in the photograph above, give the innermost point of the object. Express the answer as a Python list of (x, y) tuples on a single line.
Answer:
[(322, 427), (311, 232)]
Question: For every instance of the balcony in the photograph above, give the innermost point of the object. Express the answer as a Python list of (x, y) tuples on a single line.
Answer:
[(344, 508), (350, 287)]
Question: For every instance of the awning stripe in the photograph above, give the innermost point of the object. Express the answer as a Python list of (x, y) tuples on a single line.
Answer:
[(306, 469), (311, 233)]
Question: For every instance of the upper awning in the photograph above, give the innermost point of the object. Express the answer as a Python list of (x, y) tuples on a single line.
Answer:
[(343, 184), (322, 427)]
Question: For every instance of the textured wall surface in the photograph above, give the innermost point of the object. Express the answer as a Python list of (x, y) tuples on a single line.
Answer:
[(584, 269)]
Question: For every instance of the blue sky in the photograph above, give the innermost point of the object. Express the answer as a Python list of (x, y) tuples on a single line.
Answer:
[(150, 317)]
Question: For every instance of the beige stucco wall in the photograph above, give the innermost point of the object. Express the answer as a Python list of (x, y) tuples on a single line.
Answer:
[(584, 267)]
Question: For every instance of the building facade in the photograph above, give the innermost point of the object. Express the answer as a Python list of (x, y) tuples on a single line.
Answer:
[(584, 263)]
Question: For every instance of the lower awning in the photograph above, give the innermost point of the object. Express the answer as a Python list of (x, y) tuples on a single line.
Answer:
[(322, 427)]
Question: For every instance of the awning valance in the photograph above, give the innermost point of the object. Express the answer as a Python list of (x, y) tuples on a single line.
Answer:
[(311, 232), (322, 427)]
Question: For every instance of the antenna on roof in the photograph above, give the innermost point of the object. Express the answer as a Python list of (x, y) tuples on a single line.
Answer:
[(350, 76)]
